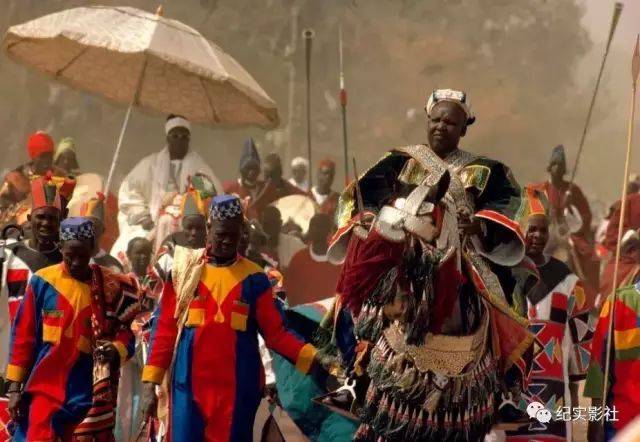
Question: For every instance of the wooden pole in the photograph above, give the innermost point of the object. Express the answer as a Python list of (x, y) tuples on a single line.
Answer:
[(635, 69), (308, 35)]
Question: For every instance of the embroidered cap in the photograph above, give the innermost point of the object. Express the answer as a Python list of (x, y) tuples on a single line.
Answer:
[(225, 207), (77, 228), (453, 96)]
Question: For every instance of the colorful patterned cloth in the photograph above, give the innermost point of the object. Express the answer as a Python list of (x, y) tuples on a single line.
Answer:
[(217, 377), (624, 390), (558, 315), (21, 261), (52, 345)]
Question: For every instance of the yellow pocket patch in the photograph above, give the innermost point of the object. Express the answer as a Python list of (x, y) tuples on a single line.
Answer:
[(52, 326), (195, 317), (238, 321), (51, 333)]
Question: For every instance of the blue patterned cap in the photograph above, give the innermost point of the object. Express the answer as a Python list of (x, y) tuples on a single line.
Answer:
[(78, 228), (225, 207)]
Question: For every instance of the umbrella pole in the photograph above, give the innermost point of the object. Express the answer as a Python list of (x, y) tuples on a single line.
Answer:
[(116, 154), (125, 123), (308, 35)]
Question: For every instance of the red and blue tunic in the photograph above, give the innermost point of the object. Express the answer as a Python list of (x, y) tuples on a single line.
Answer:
[(51, 352), (217, 375)]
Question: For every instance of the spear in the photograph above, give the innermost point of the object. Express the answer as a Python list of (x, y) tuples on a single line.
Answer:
[(617, 10), (343, 104), (635, 70)]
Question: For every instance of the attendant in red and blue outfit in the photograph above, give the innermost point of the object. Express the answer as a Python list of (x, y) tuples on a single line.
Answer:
[(217, 377), (73, 315)]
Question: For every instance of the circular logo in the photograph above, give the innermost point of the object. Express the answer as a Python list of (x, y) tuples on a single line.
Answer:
[(533, 408), (543, 416)]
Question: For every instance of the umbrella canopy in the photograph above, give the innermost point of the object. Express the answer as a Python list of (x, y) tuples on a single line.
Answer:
[(133, 57)]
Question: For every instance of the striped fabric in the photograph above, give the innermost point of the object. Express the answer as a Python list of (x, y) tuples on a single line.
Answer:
[(100, 418), (624, 393)]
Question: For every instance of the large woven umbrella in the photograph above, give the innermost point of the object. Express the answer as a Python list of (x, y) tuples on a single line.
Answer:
[(142, 60)]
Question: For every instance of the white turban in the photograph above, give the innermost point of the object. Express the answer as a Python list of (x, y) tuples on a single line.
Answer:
[(174, 122), (453, 96), (299, 162)]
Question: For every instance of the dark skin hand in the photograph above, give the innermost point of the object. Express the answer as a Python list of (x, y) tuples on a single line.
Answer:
[(107, 352), (149, 400), (16, 406), (45, 228)]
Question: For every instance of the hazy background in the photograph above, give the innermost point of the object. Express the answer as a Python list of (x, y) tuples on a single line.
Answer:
[(529, 67)]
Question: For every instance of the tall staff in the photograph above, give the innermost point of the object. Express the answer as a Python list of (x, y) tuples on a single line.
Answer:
[(343, 104), (617, 10), (308, 35), (635, 70)]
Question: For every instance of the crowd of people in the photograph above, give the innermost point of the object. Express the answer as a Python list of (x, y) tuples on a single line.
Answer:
[(444, 296)]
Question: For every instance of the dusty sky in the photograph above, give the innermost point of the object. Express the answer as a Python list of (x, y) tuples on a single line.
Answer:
[(604, 149)]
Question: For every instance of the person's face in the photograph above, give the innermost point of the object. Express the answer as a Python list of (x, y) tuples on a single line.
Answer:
[(446, 124), (76, 256), (45, 224), (537, 235), (273, 169), (140, 256), (249, 173), (325, 177), (557, 169), (67, 161), (42, 163), (299, 173), (178, 142), (195, 230), (224, 238)]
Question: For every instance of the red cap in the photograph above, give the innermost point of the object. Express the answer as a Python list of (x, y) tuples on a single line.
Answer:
[(39, 143), (327, 163)]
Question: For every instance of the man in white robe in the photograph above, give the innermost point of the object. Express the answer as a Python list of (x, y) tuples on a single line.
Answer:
[(153, 182)]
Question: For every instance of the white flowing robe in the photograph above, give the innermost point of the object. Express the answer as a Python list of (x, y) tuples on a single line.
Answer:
[(143, 189)]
